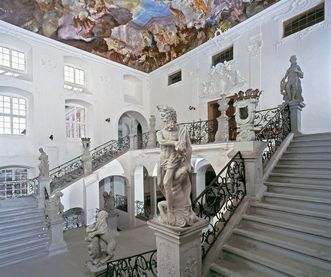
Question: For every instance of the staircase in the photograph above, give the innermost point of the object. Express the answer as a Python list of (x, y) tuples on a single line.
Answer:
[(23, 233), (288, 233)]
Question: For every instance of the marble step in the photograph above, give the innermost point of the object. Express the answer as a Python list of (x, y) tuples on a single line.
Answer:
[(290, 225), (32, 218), (310, 143), (313, 137), (20, 213), (25, 254), (323, 155), (276, 257), (14, 203), (315, 169), (300, 148), (300, 245), (25, 224), (307, 178), (299, 202), (322, 191), (231, 265), (36, 230), (324, 162), (323, 225)]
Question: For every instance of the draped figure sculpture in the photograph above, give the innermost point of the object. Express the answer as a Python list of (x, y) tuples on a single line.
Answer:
[(174, 171), (290, 85)]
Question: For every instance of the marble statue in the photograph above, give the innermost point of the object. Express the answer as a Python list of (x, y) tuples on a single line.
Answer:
[(101, 242), (174, 171), (55, 200), (290, 85), (109, 202), (43, 166)]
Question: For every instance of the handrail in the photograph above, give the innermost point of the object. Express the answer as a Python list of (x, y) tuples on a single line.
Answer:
[(135, 265), (201, 131), (275, 131), (219, 200)]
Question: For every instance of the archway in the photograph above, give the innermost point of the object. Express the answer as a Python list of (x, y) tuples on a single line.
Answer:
[(142, 193)]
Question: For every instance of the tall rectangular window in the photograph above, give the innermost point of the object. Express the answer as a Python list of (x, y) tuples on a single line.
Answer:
[(12, 58), (75, 119), (304, 20), (74, 75), (225, 55), (12, 115)]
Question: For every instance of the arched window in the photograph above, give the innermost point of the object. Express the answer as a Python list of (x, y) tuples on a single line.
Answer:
[(13, 112), (13, 182), (75, 119)]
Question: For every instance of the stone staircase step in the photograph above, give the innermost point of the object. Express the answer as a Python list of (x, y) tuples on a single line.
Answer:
[(289, 243), (321, 191), (310, 155), (300, 178), (25, 254), (276, 257), (299, 202), (232, 265), (325, 162), (299, 148), (310, 143), (23, 235), (290, 210), (21, 231), (323, 225), (4, 224), (289, 225), (302, 169), (310, 137)]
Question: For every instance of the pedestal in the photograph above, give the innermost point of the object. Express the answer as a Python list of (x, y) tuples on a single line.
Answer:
[(252, 152), (112, 221), (56, 243), (87, 164), (178, 249), (295, 111), (222, 134), (44, 183)]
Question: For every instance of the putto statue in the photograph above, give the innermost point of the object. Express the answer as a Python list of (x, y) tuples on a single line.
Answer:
[(55, 200), (174, 171), (43, 166), (101, 242), (290, 85), (109, 202)]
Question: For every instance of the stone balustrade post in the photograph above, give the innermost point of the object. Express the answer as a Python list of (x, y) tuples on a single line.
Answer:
[(86, 156), (178, 249), (295, 114), (222, 134), (133, 142), (152, 132)]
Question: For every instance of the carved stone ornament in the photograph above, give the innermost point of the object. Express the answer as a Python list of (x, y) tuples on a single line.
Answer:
[(245, 104), (222, 134), (222, 79)]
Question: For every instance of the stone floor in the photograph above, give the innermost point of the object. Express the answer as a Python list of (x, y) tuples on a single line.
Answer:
[(72, 263)]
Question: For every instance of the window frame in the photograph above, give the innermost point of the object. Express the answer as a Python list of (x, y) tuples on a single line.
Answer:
[(219, 54), (172, 76), (73, 84), (9, 70), (17, 185), (14, 118), (69, 123)]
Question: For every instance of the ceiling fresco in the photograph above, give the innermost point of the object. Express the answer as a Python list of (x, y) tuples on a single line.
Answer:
[(143, 34)]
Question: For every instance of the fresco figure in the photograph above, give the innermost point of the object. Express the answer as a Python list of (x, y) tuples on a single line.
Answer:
[(174, 171), (291, 85)]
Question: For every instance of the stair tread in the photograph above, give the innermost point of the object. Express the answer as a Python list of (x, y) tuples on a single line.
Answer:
[(26, 235), (25, 254), (300, 175), (14, 247), (291, 210), (301, 198), (298, 185), (292, 243), (289, 225)]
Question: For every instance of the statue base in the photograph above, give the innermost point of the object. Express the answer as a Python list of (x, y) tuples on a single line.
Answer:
[(96, 270), (178, 249), (295, 111), (112, 221)]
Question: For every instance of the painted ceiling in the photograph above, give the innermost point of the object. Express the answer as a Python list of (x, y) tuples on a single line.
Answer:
[(143, 34)]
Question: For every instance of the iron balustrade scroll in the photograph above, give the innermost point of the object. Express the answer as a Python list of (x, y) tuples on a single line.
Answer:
[(20, 188), (218, 202), (202, 131), (143, 264), (121, 202), (143, 210), (262, 117), (275, 131), (109, 151)]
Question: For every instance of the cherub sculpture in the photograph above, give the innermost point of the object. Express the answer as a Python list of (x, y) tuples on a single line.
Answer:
[(101, 242)]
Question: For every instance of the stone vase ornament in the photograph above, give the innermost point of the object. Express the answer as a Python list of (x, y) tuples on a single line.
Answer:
[(222, 134), (245, 104)]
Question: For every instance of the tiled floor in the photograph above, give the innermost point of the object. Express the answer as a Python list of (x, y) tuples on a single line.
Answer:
[(72, 263)]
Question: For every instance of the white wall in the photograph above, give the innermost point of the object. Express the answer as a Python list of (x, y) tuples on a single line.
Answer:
[(262, 57), (43, 88)]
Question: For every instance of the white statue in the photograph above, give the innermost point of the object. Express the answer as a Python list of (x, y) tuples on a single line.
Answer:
[(174, 171), (290, 85), (101, 242), (43, 166), (109, 202), (55, 201)]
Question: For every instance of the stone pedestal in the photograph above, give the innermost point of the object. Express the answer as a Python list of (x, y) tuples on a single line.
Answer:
[(252, 151), (112, 221), (178, 249), (86, 156), (295, 111), (44, 183), (222, 134), (133, 142)]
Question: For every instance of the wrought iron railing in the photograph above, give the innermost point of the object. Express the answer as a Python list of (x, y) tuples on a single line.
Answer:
[(141, 141), (143, 264), (20, 188), (218, 202), (202, 131), (143, 210), (121, 202), (109, 151), (275, 131), (262, 117)]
